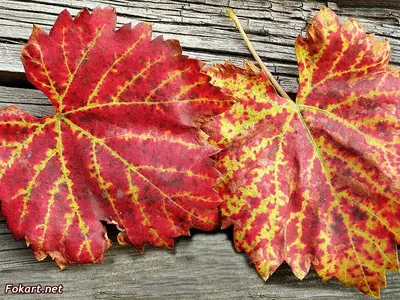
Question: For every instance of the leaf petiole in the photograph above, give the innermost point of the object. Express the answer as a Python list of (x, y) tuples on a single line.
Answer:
[(271, 78)]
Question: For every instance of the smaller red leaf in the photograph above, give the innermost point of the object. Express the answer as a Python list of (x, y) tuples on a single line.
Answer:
[(315, 182)]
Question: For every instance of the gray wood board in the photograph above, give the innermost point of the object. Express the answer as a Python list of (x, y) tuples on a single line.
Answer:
[(206, 265), (203, 27)]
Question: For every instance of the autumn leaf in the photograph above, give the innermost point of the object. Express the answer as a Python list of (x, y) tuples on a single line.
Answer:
[(315, 182), (124, 145)]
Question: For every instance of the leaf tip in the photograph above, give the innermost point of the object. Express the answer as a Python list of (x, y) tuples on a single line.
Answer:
[(375, 294), (140, 249), (39, 255), (264, 275), (176, 46), (108, 241), (61, 265), (85, 11), (36, 31), (300, 274)]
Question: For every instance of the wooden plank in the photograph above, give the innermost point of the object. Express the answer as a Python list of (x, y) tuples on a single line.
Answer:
[(203, 28), (10, 61), (204, 266), (33, 101)]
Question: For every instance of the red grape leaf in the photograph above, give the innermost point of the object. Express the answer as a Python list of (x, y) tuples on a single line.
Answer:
[(316, 182), (124, 145)]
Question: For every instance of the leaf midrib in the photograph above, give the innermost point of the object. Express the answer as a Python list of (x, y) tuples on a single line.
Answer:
[(329, 181)]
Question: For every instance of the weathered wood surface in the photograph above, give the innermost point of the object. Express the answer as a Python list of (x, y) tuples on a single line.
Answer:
[(206, 265), (203, 27)]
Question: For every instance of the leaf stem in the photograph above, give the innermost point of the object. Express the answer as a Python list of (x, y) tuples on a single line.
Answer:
[(271, 78)]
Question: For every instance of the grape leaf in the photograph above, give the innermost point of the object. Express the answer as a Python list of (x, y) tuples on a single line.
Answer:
[(124, 145), (315, 182)]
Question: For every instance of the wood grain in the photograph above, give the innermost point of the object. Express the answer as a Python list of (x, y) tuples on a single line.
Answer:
[(204, 266), (203, 28)]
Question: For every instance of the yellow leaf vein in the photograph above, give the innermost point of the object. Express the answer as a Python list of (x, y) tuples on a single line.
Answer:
[(129, 166)]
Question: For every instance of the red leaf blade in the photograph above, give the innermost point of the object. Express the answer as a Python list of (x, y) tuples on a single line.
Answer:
[(124, 146)]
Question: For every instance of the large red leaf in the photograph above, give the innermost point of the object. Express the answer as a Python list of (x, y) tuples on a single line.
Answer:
[(316, 182), (124, 144)]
